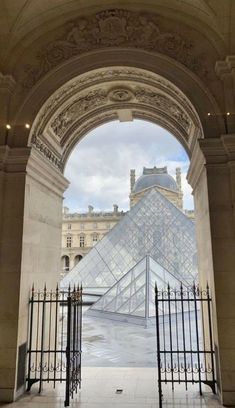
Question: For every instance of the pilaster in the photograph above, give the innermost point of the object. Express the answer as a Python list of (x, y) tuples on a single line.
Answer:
[(212, 176), (225, 70)]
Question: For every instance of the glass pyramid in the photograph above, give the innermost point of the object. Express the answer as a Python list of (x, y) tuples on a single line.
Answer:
[(132, 297), (154, 226)]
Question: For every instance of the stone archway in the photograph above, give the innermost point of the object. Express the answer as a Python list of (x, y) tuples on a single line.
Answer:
[(69, 74)]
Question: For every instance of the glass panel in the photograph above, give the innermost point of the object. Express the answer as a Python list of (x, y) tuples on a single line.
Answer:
[(154, 226)]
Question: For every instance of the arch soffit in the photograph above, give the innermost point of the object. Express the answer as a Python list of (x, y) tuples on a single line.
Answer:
[(108, 94)]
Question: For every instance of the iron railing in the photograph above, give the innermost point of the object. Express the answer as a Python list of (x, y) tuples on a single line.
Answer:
[(54, 345), (185, 348)]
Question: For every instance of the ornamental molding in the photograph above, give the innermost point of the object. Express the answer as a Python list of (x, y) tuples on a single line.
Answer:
[(116, 28), (98, 98), (47, 152), (164, 103), (120, 95), (92, 99), (109, 75), (80, 106)]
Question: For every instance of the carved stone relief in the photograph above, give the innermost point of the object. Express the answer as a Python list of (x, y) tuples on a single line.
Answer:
[(164, 103), (80, 103), (99, 97), (77, 108), (120, 95), (115, 28), (124, 74)]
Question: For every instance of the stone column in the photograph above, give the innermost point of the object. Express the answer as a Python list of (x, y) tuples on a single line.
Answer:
[(212, 176), (31, 214)]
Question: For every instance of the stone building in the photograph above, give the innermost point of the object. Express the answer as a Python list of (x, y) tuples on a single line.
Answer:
[(159, 179), (81, 231), (66, 68)]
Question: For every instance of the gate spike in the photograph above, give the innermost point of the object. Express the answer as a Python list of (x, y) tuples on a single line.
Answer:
[(45, 288), (69, 289), (74, 288), (32, 289), (78, 287)]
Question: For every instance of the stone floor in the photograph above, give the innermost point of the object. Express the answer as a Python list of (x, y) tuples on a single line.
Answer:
[(109, 343), (115, 356), (99, 387)]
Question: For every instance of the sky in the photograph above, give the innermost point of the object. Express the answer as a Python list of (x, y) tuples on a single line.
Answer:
[(99, 166)]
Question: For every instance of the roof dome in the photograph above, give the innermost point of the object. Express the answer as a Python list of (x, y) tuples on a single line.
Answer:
[(151, 180)]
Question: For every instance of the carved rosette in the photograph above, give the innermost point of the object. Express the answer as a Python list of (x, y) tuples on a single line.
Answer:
[(115, 28)]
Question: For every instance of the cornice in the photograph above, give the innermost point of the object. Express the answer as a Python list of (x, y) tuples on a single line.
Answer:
[(225, 67), (14, 160), (211, 153)]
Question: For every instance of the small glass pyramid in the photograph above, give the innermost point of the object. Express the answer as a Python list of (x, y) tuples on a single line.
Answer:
[(132, 297), (155, 227)]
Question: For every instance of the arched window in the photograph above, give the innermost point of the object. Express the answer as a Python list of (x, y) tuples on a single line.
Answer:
[(69, 241), (77, 259), (65, 263)]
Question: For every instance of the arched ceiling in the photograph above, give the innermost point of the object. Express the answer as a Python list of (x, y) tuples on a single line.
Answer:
[(22, 21)]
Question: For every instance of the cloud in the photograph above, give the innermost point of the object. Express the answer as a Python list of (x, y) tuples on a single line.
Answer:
[(99, 166)]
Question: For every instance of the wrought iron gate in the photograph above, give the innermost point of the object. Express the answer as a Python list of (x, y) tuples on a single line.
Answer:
[(185, 350), (54, 346)]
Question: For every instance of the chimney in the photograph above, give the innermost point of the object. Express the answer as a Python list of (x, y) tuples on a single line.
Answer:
[(115, 208), (178, 178), (90, 209), (65, 210), (132, 179)]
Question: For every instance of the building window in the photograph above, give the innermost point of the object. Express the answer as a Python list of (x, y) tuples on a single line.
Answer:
[(95, 225), (69, 241), (65, 264), (82, 226), (108, 226), (82, 241), (94, 239), (69, 226)]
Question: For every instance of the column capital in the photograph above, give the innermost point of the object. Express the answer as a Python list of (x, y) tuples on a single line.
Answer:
[(14, 159), (211, 152), (45, 173)]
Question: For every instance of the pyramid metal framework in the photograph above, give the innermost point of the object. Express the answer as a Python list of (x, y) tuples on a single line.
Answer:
[(132, 298), (155, 227)]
